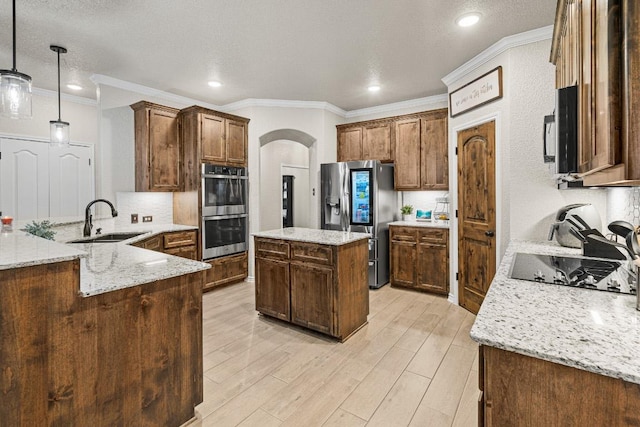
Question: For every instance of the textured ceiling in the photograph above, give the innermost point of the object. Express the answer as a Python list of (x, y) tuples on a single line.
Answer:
[(307, 50)]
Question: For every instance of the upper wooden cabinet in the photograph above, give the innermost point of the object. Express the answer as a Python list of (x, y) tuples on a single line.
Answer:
[(416, 143), (422, 160), (214, 137), (158, 150), (595, 47), (365, 141)]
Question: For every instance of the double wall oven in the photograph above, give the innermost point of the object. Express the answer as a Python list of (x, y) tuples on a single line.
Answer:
[(224, 210)]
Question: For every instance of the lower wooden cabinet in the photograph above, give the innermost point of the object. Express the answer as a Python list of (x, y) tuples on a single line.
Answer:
[(179, 243), (519, 390), (321, 287), (420, 258), (226, 270)]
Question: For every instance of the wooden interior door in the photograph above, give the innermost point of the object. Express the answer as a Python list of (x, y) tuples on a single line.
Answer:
[(476, 214)]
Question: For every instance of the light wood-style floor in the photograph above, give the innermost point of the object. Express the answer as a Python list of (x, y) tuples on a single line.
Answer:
[(413, 364)]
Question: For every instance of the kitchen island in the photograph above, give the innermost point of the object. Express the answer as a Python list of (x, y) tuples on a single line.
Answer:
[(556, 355), (98, 334), (313, 278)]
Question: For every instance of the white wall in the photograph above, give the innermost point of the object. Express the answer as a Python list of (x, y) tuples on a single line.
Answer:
[(81, 115), (527, 196), (272, 156)]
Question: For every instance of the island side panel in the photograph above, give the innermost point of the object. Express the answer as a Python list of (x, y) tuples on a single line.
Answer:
[(24, 343), (127, 357), (170, 345), (352, 287)]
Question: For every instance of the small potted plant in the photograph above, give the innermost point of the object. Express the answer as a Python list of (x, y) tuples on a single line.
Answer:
[(41, 229), (406, 212)]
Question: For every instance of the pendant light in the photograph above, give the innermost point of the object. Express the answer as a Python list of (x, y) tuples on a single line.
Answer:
[(15, 87), (59, 129)]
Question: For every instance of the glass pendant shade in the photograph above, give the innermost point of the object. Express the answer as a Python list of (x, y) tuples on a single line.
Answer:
[(59, 132), (15, 95)]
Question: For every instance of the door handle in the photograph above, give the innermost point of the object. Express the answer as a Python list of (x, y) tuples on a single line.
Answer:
[(489, 233)]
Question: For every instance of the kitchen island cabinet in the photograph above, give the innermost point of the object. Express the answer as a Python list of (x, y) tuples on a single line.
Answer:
[(98, 334), (568, 356), (313, 278)]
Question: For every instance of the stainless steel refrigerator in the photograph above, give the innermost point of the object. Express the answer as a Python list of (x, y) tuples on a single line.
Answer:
[(359, 196)]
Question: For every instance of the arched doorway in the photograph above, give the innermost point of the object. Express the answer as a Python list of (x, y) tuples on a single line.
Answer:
[(287, 153)]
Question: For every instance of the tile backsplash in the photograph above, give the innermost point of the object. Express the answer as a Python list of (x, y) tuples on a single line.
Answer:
[(425, 200), (624, 204), (157, 205)]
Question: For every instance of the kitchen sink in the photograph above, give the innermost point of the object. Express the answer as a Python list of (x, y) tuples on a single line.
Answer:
[(107, 238)]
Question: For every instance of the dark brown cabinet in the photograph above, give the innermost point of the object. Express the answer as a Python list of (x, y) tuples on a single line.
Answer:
[(226, 270), (320, 287), (365, 141), (179, 243), (214, 137), (420, 258), (595, 47), (518, 390), (421, 158), (415, 143), (158, 150)]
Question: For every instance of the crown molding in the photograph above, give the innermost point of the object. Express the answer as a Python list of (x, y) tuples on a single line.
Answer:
[(46, 93), (284, 103), (100, 79), (430, 102), (533, 36)]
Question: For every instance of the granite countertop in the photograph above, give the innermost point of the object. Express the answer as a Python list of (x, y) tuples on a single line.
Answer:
[(323, 237), (425, 224), (591, 330), (104, 267)]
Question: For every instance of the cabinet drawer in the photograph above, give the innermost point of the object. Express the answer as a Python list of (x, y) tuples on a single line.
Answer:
[(180, 238), (437, 236), (275, 249), (152, 243), (189, 252), (403, 234), (226, 270), (309, 252)]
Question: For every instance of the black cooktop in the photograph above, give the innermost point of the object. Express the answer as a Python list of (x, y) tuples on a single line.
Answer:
[(588, 273)]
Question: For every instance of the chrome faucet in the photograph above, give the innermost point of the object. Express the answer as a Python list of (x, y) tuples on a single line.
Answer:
[(88, 225)]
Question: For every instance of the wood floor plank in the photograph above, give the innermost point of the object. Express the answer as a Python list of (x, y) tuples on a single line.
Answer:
[(467, 412), (242, 406), (447, 386), (341, 418), (401, 402), (260, 419), (372, 390), (431, 353), (462, 338)]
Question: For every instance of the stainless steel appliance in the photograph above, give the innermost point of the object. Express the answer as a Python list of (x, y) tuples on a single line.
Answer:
[(359, 197), (573, 218), (587, 273), (225, 225)]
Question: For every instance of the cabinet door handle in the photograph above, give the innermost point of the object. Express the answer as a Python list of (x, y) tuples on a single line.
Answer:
[(489, 233)]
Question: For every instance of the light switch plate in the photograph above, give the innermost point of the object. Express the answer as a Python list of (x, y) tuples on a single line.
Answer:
[(134, 218), (147, 218)]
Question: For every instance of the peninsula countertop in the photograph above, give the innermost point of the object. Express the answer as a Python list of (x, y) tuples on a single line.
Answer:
[(591, 330), (309, 235), (104, 267)]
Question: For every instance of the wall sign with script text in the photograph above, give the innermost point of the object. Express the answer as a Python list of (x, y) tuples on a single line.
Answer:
[(482, 90)]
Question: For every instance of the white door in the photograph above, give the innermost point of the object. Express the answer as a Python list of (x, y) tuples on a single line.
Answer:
[(70, 180), (24, 179)]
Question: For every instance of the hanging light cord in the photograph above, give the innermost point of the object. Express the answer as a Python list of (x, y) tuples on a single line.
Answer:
[(59, 119), (14, 69)]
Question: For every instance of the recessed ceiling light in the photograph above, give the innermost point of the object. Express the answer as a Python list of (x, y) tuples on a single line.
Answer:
[(74, 87), (374, 88), (468, 20), (214, 83)]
